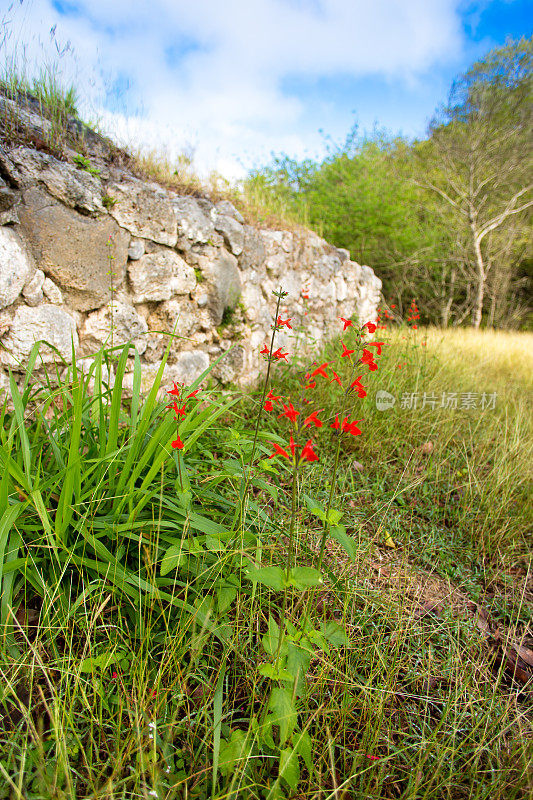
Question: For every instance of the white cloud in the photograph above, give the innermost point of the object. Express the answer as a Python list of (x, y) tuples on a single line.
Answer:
[(211, 72)]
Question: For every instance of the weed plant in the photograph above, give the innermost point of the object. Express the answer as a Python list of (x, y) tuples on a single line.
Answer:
[(205, 595)]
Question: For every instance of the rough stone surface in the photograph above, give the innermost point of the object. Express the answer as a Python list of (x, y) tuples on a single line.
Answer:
[(30, 325), (120, 324), (254, 251), (160, 275), (194, 225), (232, 231), (7, 197), (230, 366), (73, 186), (227, 209), (145, 210), (136, 249), (73, 249), (16, 266), (220, 271), (52, 292), (33, 290), (189, 366)]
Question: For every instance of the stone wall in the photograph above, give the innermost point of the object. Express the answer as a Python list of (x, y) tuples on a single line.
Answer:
[(179, 264)]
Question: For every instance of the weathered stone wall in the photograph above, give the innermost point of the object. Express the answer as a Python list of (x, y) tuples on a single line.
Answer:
[(179, 264)]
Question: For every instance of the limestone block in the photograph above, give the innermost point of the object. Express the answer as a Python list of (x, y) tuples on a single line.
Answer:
[(145, 210), (52, 292), (232, 231), (16, 266), (227, 209), (7, 197), (254, 252), (230, 366), (136, 249), (30, 325), (159, 276), (193, 225), (223, 281), (189, 366), (74, 250), (73, 186), (33, 290), (122, 321)]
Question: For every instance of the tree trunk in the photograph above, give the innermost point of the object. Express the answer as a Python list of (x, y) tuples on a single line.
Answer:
[(481, 279), (446, 310)]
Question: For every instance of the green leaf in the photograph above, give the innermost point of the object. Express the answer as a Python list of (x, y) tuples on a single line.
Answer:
[(339, 534), (100, 662), (232, 751), (273, 577), (172, 559), (298, 661), (302, 746), (335, 634), (304, 577), (283, 712), (289, 769), (271, 638), (314, 508), (225, 598), (334, 516), (273, 672)]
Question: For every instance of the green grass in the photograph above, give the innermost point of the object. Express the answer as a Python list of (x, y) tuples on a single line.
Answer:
[(132, 638)]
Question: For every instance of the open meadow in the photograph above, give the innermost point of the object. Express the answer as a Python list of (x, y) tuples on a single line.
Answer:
[(185, 616)]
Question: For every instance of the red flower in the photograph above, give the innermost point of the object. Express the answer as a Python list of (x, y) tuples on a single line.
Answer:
[(265, 351), (371, 327), (177, 444), (114, 676), (179, 412), (192, 394), (289, 412), (393, 306), (377, 345), (359, 386), (271, 397), (176, 390), (280, 354), (305, 295), (336, 378), (268, 406), (308, 454), (336, 424), (281, 322), (312, 418), (321, 370), (311, 385), (351, 427), (279, 451), (347, 323), (415, 327), (345, 351), (368, 359)]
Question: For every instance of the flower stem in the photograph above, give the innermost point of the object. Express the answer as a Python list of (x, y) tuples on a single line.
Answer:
[(239, 513)]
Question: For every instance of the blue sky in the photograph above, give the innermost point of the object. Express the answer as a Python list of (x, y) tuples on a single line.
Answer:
[(235, 80)]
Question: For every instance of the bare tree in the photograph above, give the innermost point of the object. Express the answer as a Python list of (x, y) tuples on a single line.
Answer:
[(478, 159)]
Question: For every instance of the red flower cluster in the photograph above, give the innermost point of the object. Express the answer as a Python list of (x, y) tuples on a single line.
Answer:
[(346, 425), (307, 454), (413, 314), (179, 408), (383, 313)]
